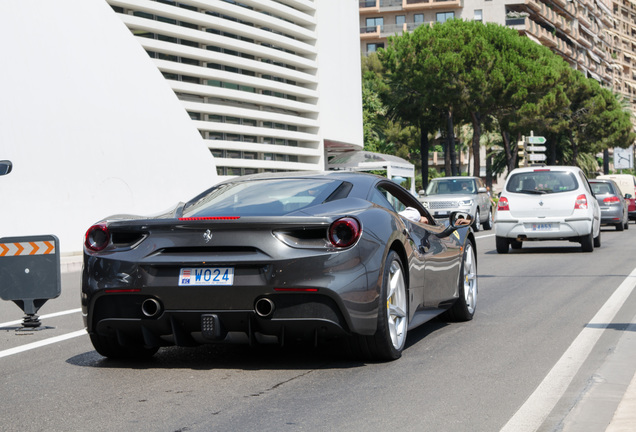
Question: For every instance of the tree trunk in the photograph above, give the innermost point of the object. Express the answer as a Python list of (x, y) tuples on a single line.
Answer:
[(510, 150), (476, 120), (451, 142), (424, 145)]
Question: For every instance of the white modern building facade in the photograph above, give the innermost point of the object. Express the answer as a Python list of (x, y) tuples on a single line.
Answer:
[(270, 85), (131, 106)]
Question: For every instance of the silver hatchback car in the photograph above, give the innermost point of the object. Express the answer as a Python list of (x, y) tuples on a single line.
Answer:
[(460, 193), (547, 203)]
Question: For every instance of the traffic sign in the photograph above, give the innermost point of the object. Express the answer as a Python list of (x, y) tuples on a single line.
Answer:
[(537, 157), (535, 148), (535, 140)]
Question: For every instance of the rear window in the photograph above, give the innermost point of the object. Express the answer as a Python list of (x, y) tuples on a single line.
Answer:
[(275, 197), (542, 182), (601, 188)]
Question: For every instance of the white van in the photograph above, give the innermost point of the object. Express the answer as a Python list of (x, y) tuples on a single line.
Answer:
[(627, 185)]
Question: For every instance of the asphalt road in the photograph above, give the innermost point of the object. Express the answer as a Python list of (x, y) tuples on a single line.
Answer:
[(543, 338)]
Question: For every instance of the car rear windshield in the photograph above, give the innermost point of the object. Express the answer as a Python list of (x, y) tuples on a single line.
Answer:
[(601, 188), (542, 182), (451, 186), (269, 197)]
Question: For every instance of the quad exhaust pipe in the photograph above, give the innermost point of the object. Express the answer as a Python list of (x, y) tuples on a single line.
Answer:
[(264, 307), (151, 308)]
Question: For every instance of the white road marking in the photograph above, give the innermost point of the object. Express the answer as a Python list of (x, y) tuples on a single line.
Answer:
[(41, 343), (537, 407), (51, 315)]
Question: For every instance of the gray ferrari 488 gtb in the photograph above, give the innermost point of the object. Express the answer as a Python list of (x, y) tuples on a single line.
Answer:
[(276, 258)]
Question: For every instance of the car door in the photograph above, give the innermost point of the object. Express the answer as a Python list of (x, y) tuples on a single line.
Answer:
[(434, 267)]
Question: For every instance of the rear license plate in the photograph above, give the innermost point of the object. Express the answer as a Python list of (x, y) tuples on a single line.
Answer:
[(542, 227), (206, 276)]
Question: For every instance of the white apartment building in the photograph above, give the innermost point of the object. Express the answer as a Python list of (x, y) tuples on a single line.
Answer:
[(270, 85), (132, 106)]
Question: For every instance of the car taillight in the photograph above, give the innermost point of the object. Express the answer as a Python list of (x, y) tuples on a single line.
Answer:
[(580, 203), (344, 232), (97, 237), (503, 204), (611, 200)]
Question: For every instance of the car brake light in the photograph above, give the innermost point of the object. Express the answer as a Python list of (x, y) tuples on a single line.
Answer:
[(611, 200), (503, 204), (344, 232), (97, 237), (580, 203)]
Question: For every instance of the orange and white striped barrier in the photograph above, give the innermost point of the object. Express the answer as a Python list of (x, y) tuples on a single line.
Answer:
[(27, 248)]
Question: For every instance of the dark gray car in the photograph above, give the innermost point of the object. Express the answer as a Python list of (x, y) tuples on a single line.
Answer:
[(276, 258), (613, 204)]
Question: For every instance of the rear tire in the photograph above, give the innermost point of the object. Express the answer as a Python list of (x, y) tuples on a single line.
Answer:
[(464, 307), (587, 243), (620, 226), (390, 338), (502, 245), (597, 239), (111, 348), (516, 244)]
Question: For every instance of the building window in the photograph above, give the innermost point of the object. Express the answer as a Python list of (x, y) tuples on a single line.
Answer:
[(373, 47), (418, 18), (373, 23), (400, 20), (445, 16), (479, 15)]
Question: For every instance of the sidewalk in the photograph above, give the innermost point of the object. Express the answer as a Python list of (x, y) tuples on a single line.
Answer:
[(609, 402), (624, 419)]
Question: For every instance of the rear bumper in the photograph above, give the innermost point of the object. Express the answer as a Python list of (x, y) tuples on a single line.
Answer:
[(293, 316), (535, 229)]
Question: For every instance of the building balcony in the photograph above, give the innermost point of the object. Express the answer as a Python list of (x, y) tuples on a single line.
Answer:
[(530, 27), (392, 29), (561, 3), (606, 19), (391, 5), (413, 25), (417, 5), (584, 19), (570, 8), (369, 6), (583, 40), (372, 32), (534, 5)]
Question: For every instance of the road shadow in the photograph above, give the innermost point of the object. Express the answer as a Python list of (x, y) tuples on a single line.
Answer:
[(332, 354)]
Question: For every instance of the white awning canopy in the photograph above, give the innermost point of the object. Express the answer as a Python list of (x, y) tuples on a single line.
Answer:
[(394, 166)]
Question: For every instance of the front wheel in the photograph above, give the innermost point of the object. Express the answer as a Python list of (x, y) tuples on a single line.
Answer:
[(464, 307), (390, 337)]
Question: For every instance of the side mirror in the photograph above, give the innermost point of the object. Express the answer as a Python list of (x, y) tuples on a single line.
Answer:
[(482, 190), (5, 167), (421, 192), (456, 219), (628, 196)]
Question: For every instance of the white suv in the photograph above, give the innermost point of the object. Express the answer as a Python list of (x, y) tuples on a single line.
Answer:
[(547, 203)]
